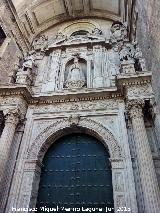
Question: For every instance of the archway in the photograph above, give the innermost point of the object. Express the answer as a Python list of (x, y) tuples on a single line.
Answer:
[(75, 124), (76, 173)]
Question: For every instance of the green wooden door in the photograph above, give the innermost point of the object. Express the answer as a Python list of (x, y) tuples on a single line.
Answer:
[(76, 174)]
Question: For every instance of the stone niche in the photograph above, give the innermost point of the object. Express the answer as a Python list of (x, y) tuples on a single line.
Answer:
[(75, 75)]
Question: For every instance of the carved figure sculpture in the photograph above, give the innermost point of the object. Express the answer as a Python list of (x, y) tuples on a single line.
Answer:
[(57, 39), (139, 60), (119, 32), (75, 78), (97, 31), (40, 43), (28, 61)]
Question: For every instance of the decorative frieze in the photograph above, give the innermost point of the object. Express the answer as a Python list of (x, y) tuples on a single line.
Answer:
[(139, 91), (80, 106), (135, 108)]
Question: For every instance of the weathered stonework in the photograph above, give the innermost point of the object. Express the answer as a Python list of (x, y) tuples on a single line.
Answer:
[(77, 76), (148, 36)]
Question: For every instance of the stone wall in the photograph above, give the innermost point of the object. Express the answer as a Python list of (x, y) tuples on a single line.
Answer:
[(9, 50), (148, 35), (7, 61)]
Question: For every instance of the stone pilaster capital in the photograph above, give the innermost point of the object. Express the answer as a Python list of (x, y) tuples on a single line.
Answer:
[(135, 108), (12, 116)]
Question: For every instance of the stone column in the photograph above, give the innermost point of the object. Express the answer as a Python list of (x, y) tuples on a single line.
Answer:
[(149, 184), (11, 121)]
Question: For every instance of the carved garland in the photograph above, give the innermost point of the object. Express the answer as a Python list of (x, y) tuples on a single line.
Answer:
[(42, 142)]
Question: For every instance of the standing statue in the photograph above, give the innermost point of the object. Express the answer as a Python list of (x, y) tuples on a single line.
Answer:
[(29, 60), (75, 78)]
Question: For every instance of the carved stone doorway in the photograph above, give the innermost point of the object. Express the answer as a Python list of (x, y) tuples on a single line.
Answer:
[(76, 173)]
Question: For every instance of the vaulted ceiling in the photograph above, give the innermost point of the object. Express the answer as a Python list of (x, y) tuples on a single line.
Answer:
[(36, 16)]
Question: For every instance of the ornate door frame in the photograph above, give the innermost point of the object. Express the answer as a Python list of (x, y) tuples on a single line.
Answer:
[(33, 163)]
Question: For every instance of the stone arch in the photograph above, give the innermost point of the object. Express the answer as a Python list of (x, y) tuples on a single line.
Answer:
[(59, 128), (79, 25), (33, 162)]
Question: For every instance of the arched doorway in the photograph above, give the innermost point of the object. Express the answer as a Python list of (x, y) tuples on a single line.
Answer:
[(76, 174)]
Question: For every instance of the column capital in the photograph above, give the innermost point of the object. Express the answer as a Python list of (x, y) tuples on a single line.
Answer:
[(12, 116), (135, 108)]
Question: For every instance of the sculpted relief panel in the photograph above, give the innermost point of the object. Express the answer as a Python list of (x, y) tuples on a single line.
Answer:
[(81, 60)]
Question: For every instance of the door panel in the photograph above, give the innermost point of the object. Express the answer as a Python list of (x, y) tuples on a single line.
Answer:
[(76, 173)]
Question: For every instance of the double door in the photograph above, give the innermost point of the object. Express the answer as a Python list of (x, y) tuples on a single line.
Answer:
[(76, 174)]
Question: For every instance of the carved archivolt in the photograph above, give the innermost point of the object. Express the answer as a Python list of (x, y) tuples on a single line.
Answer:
[(45, 139), (79, 25)]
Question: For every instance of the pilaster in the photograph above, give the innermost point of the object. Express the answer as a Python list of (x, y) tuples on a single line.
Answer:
[(147, 173)]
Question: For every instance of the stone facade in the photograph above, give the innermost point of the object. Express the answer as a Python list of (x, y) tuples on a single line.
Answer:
[(148, 36), (82, 75)]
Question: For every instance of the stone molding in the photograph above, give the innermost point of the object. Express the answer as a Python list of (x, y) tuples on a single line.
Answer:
[(42, 142)]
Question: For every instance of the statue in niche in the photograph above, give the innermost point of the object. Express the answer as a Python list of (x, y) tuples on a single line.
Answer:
[(75, 78)]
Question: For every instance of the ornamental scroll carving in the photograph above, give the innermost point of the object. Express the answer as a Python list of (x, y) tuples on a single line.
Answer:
[(55, 130), (119, 183), (135, 108), (81, 106), (142, 91), (9, 103)]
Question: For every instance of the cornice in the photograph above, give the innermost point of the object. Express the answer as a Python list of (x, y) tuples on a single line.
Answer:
[(51, 100), (138, 78), (12, 90), (26, 93)]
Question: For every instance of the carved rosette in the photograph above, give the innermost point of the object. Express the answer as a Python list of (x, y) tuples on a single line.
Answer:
[(135, 108)]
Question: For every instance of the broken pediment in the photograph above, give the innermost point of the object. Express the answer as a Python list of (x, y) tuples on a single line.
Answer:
[(75, 39)]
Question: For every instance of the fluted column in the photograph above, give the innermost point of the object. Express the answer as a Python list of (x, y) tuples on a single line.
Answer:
[(151, 194), (11, 121)]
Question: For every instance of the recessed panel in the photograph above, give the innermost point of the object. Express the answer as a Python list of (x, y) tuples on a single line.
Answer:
[(49, 10), (77, 4), (108, 5)]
